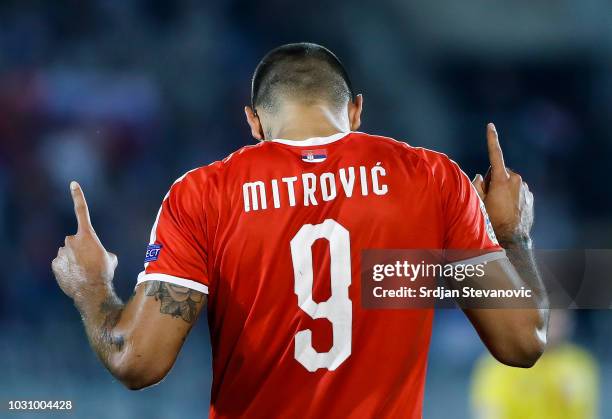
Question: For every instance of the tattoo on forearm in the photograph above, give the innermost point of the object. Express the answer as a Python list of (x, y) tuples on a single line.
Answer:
[(112, 313), (520, 254), (175, 300)]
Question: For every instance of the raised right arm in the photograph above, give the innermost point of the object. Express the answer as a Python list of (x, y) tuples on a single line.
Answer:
[(514, 336)]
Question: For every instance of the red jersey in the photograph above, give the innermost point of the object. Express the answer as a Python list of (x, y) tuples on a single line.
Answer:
[(273, 234)]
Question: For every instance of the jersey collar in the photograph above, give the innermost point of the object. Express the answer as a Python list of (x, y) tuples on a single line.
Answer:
[(313, 141)]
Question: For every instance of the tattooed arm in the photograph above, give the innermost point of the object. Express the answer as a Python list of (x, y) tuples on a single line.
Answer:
[(515, 334), (137, 341)]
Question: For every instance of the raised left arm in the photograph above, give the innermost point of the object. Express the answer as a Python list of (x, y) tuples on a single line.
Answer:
[(137, 341)]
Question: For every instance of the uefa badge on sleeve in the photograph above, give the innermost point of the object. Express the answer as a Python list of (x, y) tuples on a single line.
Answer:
[(152, 252), (488, 225)]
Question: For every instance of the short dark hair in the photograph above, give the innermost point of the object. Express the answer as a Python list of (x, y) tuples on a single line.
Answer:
[(303, 70)]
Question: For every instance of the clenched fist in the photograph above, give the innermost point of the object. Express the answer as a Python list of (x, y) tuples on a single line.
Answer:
[(83, 266), (507, 198)]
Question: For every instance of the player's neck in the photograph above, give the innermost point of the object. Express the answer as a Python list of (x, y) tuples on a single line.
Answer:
[(303, 122)]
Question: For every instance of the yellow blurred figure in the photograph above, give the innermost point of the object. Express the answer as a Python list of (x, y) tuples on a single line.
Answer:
[(562, 385)]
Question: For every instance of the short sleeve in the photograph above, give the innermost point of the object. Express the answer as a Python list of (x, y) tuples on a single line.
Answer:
[(177, 250), (468, 232)]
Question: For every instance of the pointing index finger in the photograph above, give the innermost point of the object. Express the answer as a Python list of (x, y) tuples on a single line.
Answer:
[(496, 157), (80, 207)]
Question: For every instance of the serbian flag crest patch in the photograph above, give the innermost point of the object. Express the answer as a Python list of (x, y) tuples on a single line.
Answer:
[(314, 156)]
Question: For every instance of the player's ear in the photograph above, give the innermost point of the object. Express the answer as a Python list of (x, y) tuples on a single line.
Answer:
[(354, 110), (254, 123)]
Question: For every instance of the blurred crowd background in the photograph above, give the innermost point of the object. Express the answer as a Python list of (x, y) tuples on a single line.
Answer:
[(126, 95)]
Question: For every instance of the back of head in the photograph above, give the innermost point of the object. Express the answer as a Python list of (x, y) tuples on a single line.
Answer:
[(302, 73)]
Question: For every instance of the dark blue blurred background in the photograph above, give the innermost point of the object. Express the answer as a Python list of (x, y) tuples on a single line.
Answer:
[(127, 95)]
